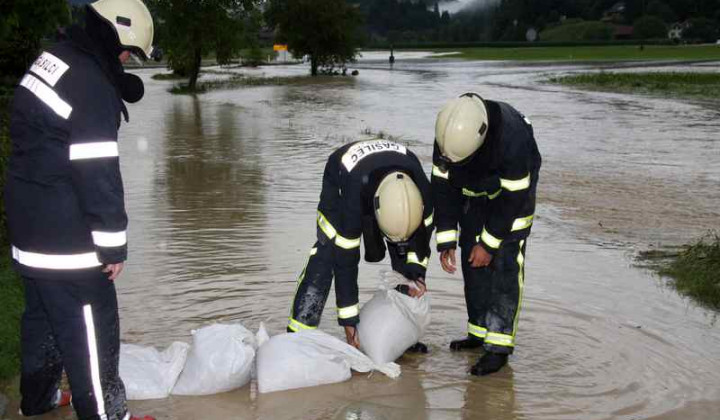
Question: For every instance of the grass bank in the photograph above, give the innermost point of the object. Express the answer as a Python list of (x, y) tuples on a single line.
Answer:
[(694, 271), (694, 85), (590, 53), (11, 292)]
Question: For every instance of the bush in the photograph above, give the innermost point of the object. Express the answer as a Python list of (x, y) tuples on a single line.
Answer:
[(578, 31), (696, 271), (650, 27), (701, 29)]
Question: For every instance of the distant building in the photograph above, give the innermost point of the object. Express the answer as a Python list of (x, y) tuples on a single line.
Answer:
[(623, 31), (615, 14)]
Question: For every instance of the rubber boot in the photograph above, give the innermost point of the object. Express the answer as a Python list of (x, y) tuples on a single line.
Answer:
[(142, 418), (64, 399), (418, 348), (489, 363), (467, 343)]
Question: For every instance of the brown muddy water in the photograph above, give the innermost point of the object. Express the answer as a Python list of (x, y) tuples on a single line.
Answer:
[(222, 189)]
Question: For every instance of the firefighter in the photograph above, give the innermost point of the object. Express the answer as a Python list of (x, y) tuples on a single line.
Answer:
[(484, 177), (375, 189), (66, 212)]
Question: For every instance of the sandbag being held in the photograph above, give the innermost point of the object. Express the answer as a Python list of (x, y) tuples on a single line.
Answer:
[(310, 358), (220, 360), (391, 322)]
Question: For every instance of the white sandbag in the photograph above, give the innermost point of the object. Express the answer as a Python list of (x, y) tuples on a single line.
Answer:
[(150, 374), (311, 358), (391, 322), (220, 360)]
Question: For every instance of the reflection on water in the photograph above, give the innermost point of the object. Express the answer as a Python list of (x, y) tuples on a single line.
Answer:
[(222, 190)]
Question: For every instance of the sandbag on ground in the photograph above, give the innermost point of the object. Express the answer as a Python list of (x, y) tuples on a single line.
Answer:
[(150, 374), (311, 358), (220, 359), (391, 322)]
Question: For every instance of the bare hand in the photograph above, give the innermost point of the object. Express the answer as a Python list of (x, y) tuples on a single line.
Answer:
[(352, 337), (479, 257), (447, 260), (419, 290), (114, 270)]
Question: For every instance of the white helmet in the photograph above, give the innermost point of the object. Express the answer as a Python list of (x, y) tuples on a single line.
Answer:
[(461, 127), (132, 22), (398, 206)]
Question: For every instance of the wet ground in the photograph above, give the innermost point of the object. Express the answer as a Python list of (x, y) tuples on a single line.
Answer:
[(222, 189)]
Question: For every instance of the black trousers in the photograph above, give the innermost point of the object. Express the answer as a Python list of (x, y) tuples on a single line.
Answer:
[(493, 295), (72, 325), (314, 285)]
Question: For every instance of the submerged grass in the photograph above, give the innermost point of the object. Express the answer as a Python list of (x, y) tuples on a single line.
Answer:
[(693, 270), (696, 271), (235, 80), (591, 53), (686, 84)]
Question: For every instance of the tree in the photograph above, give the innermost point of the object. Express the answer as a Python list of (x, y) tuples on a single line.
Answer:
[(22, 26), (650, 27), (701, 29), (325, 30), (190, 29)]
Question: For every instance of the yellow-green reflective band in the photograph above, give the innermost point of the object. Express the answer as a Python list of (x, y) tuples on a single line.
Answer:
[(522, 223), (470, 193), (479, 332), (348, 311), (446, 236), (296, 325), (436, 171), (412, 258), (500, 339), (326, 226), (515, 184), (313, 251), (490, 240), (429, 219), (346, 243)]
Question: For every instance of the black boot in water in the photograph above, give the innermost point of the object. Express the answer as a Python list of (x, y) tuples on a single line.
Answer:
[(489, 363), (467, 343), (418, 347)]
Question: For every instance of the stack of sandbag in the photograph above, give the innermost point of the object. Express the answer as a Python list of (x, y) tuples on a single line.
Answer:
[(148, 373), (310, 358), (391, 321), (220, 359)]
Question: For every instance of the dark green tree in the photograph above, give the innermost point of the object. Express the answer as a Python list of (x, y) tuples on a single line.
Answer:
[(23, 24), (190, 29), (325, 30), (702, 30), (650, 27)]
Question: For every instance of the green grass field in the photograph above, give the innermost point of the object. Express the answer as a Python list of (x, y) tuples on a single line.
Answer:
[(679, 84), (590, 53)]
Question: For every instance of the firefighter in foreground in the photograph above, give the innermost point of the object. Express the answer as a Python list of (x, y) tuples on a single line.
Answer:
[(66, 211), (484, 178), (375, 189)]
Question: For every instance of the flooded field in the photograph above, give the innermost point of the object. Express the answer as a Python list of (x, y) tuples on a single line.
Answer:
[(222, 189)]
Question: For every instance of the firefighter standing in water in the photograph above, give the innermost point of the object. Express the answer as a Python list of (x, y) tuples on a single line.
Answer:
[(484, 178), (375, 189), (66, 211)]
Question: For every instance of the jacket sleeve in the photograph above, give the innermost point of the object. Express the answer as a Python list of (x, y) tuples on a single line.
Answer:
[(418, 253), (340, 223), (95, 165), (448, 205), (504, 211)]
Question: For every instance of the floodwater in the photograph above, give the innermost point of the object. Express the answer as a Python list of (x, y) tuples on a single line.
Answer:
[(222, 189)]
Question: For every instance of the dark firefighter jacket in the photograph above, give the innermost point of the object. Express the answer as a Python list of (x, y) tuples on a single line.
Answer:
[(496, 185), (64, 193), (346, 212)]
